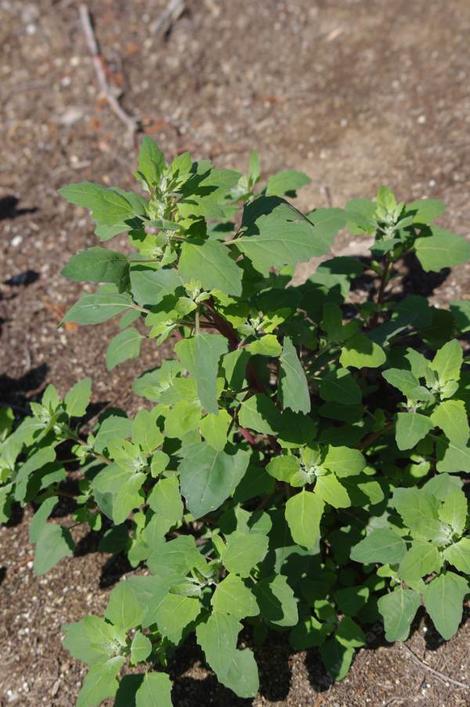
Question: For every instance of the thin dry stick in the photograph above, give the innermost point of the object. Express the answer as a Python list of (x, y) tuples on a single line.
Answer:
[(131, 123), (440, 676), (170, 14)]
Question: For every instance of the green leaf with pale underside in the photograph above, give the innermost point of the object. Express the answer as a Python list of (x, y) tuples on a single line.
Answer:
[(200, 355), (294, 386), (210, 264), (236, 669), (209, 477)]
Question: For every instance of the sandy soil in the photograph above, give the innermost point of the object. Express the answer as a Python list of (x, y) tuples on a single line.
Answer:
[(354, 92)]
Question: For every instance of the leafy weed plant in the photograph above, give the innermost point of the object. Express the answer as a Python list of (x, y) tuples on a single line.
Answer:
[(299, 463)]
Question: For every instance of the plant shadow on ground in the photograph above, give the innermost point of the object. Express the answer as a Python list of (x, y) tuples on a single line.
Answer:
[(113, 568), (274, 663), (414, 281), (18, 392), (9, 208)]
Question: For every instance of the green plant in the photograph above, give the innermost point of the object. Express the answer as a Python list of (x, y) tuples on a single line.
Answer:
[(299, 465)]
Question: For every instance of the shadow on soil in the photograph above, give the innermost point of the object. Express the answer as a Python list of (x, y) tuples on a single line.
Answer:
[(9, 208), (18, 392)]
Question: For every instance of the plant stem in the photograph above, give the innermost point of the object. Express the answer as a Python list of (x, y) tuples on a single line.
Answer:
[(381, 291)]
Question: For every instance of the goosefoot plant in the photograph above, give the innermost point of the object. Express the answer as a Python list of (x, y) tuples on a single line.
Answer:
[(299, 467)]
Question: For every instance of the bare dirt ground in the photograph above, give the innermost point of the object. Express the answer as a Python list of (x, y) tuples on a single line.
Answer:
[(354, 92)]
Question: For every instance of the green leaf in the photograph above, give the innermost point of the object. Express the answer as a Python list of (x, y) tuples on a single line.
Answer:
[(52, 544), (232, 596), (442, 250), (260, 414), (458, 555), (200, 355), (303, 515), (155, 691), (277, 602), (98, 307), (165, 501), (283, 468), (145, 431), (236, 669), (159, 463), (349, 634), (210, 264), (108, 206), (93, 640), (421, 559), (451, 417), (381, 545), (112, 427), (407, 384), (209, 477), (116, 491), (170, 562), (308, 633), (98, 265), (122, 347), (293, 382), (286, 182), (411, 428), (214, 428), (184, 417), (443, 599), (351, 600), (361, 352), (150, 286), (40, 518), (124, 609), (153, 383), (454, 511), (340, 387), (267, 345), (336, 658), (174, 613), (344, 461), (425, 211), (453, 458), (100, 683), (332, 491), (361, 216), (151, 162), (37, 460), (448, 361), (141, 647), (419, 512), (327, 223), (398, 609), (276, 234), (243, 551), (78, 398)]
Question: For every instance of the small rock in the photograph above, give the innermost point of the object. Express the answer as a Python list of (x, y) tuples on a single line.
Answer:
[(71, 116)]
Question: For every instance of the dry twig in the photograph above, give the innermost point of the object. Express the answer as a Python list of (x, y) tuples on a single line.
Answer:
[(131, 123), (168, 17), (440, 676)]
